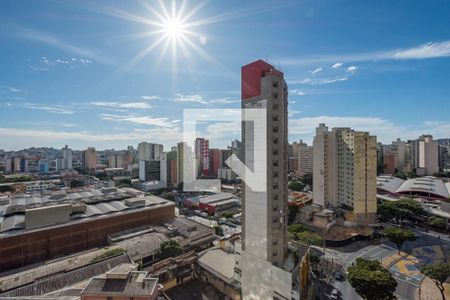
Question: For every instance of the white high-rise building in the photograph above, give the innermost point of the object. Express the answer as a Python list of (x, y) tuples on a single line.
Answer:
[(67, 158), (264, 214), (344, 172)]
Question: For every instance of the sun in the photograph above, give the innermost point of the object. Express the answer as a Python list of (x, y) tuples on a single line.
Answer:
[(174, 29)]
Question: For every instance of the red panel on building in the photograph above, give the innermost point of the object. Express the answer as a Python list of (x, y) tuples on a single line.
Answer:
[(251, 77)]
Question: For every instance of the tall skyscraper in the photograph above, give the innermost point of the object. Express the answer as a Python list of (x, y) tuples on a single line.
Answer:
[(345, 171), (264, 226), (66, 158)]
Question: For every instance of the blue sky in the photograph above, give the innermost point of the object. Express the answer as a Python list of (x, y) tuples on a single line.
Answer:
[(84, 73)]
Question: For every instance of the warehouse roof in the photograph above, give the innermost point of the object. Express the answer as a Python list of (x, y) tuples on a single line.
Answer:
[(427, 186), (389, 183)]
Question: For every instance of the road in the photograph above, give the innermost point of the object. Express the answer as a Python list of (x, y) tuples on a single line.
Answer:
[(407, 286)]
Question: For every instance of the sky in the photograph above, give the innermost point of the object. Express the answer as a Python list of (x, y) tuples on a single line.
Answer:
[(113, 73)]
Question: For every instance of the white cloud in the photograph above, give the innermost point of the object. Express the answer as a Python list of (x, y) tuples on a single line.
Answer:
[(10, 88), (72, 62), (319, 81), (132, 105), (428, 50), (150, 97), (224, 101), (297, 92), (385, 130), (18, 138), (302, 81), (316, 71), (190, 98), (139, 120), (337, 65), (424, 51), (53, 41), (195, 98), (352, 69), (54, 109)]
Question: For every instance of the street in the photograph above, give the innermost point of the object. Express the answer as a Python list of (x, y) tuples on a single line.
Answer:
[(407, 283)]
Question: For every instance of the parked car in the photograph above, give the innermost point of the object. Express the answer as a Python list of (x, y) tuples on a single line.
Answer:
[(339, 276)]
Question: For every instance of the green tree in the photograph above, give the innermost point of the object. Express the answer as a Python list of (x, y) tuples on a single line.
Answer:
[(227, 214), (438, 272), (309, 238), (399, 236), (294, 228), (296, 186), (371, 281), (437, 222), (169, 248), (403, 209)]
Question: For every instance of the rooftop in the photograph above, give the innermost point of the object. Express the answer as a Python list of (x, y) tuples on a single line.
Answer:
[(84, 205), (134, 283), (218, 262), (428, 186)]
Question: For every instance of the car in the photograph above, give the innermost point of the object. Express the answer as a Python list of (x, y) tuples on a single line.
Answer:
[(339, 276)]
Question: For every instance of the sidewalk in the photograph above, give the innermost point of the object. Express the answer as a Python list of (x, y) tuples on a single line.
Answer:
[(428, 290)]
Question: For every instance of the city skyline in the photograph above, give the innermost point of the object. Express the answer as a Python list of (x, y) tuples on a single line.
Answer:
[(68, 79)]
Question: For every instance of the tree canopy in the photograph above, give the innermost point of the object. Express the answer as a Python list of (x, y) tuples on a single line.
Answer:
[(169, 248), (399, 236), (295, 185), (438, 272), (437, 222), (371, 281), (403, 209)]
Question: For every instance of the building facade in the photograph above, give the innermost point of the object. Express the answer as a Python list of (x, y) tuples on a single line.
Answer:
[(428, 156), (149, 151), (202, 156), (305, 158), (264, 214), (66, 158), (90, 159), (345, 169)]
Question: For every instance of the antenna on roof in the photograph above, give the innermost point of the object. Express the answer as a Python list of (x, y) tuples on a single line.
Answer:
[(267, 58)]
